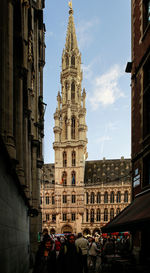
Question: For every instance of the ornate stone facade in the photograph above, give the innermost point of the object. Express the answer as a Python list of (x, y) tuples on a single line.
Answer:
[(106, 192), (65, 204), (22, 58)]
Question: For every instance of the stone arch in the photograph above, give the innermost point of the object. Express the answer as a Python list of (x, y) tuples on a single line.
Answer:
[(96, 230), (66, 229), (86, 231), (52, 231)]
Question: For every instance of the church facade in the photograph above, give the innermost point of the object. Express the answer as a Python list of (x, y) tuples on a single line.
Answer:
[(79, 195)]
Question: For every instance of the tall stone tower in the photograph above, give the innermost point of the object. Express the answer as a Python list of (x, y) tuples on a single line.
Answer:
[(70, 143)]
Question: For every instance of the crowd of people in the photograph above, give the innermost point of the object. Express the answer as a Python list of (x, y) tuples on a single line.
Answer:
[(76, 254)]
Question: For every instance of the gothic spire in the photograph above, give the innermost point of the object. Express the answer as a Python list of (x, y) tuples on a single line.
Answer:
[(71, 39)]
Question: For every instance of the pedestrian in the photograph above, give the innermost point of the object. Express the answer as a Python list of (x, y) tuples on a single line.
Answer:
[(45, 261), (70, 257), (93, 252), (57, 246), (84, 245)]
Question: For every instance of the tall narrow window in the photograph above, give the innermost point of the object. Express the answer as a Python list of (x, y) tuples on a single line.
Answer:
[(66, 91), (66, 129), (98, 215), (73, 128), (64, 199), (111, 213), (117, 211), (73, 60), (118, 197), (87, 215), (53, 199), (126, 196), (72, 91), (64, 217), (106, 197), (47, 200), (112, 197), (105, 215), (73, 217), (47, 217), (73, 158), (73, 176), (92, 216), (67, 61), (64, 159), (98, 198), (73, 198), (92, 198), (64, 179), (87, 197)]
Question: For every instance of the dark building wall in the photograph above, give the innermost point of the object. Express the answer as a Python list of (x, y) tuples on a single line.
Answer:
[(22, 58), (140, 92), (14, 221)]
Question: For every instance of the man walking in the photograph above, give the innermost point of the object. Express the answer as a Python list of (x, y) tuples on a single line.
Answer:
[(83, 244)]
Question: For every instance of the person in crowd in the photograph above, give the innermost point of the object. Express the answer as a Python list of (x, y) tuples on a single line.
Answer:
[(45, 261), (70, 257), (57, 246), (109, 247), (93, 252), (84, 245)]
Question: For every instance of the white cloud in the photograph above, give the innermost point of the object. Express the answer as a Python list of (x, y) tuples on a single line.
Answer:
[(106, 89), (84, 32)]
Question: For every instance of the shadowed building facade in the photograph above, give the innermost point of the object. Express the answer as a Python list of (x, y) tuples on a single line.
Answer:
[(22, 58)]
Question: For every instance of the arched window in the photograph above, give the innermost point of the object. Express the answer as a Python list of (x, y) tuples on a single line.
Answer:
[(92, 216), (106, 197), (73, 60), (73, 158), (87, 215), (98, 215), (111, 213), (73, 128), (73, 176), (64, 159), (98, 198), (73, 91), (87, 197), (105, 215), (118, 197), (66, 131), (92, 198), (47, 200), (112, 197), (64, 198), (64, 178), (53, 199), (126, 196), (67, 61), (117, 211)]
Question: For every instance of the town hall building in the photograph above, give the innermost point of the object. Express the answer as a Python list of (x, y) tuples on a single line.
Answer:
[(79, 195)]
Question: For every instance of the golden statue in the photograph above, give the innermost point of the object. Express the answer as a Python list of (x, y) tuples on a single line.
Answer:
[(70, 4)]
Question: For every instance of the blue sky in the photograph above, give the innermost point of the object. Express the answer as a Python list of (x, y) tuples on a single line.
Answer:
[(104, 38)]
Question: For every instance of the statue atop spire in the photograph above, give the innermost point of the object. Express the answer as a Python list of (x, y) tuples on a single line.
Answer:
[(70, 6)]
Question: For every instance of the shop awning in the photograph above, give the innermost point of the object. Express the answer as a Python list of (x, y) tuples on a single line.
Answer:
[(134, 216)]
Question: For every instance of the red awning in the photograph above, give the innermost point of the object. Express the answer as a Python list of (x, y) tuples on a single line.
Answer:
[(134, 216)]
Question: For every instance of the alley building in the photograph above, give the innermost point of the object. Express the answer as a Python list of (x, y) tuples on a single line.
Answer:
[(22, 58), (79, 195)]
